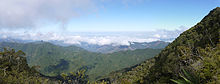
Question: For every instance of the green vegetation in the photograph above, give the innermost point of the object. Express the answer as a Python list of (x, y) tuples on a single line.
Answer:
[(75, 78), (196, 50), (187, 78), (54, 60), (14, 69)]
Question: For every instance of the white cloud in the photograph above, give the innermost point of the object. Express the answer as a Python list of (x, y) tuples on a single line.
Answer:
[(27, 13), (31, 13), (100, 38), (4, 36), (157, 35)]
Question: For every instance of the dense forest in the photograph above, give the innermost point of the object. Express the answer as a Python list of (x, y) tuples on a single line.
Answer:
[(15, 70), (54, 60), (192, 58)]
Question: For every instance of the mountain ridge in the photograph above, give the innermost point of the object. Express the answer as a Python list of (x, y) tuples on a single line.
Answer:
[(107, 48), (111, 48), (195, 50)]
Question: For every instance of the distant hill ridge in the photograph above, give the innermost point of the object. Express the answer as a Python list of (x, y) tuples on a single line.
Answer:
[(108, 48), (111, 48)]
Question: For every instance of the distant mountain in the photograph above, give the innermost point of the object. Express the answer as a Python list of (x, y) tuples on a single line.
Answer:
[(192, 58), (108, 48), (153, 45), (54, 60), (115, 48), (14, 40)]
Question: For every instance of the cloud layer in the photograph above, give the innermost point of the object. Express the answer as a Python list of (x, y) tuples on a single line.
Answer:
[(99, 38)]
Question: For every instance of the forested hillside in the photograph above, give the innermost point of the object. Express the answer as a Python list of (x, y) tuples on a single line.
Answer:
[(192, 58), (14, 69), (54, 60)]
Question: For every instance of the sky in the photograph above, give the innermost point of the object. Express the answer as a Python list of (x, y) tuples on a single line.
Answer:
[(145, 15), (62, 19)]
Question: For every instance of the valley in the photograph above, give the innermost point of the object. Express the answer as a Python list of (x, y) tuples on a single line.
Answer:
[(54, 60)]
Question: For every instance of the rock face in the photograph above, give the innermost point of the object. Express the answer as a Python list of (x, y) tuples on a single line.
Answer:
[(196, 50)]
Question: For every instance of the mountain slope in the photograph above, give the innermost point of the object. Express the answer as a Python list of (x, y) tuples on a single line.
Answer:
[(54, 60), (41, 53), (196, 50), (191, 50), (14, 69)]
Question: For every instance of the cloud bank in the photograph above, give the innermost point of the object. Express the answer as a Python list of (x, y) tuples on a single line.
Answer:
[(99, 38)]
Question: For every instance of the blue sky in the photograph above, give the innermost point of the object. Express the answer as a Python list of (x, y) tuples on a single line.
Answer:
[(102, 15), (144, 15)]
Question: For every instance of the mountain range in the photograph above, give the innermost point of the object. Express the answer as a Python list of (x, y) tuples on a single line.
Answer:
[(110, 48), (107, 48)]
